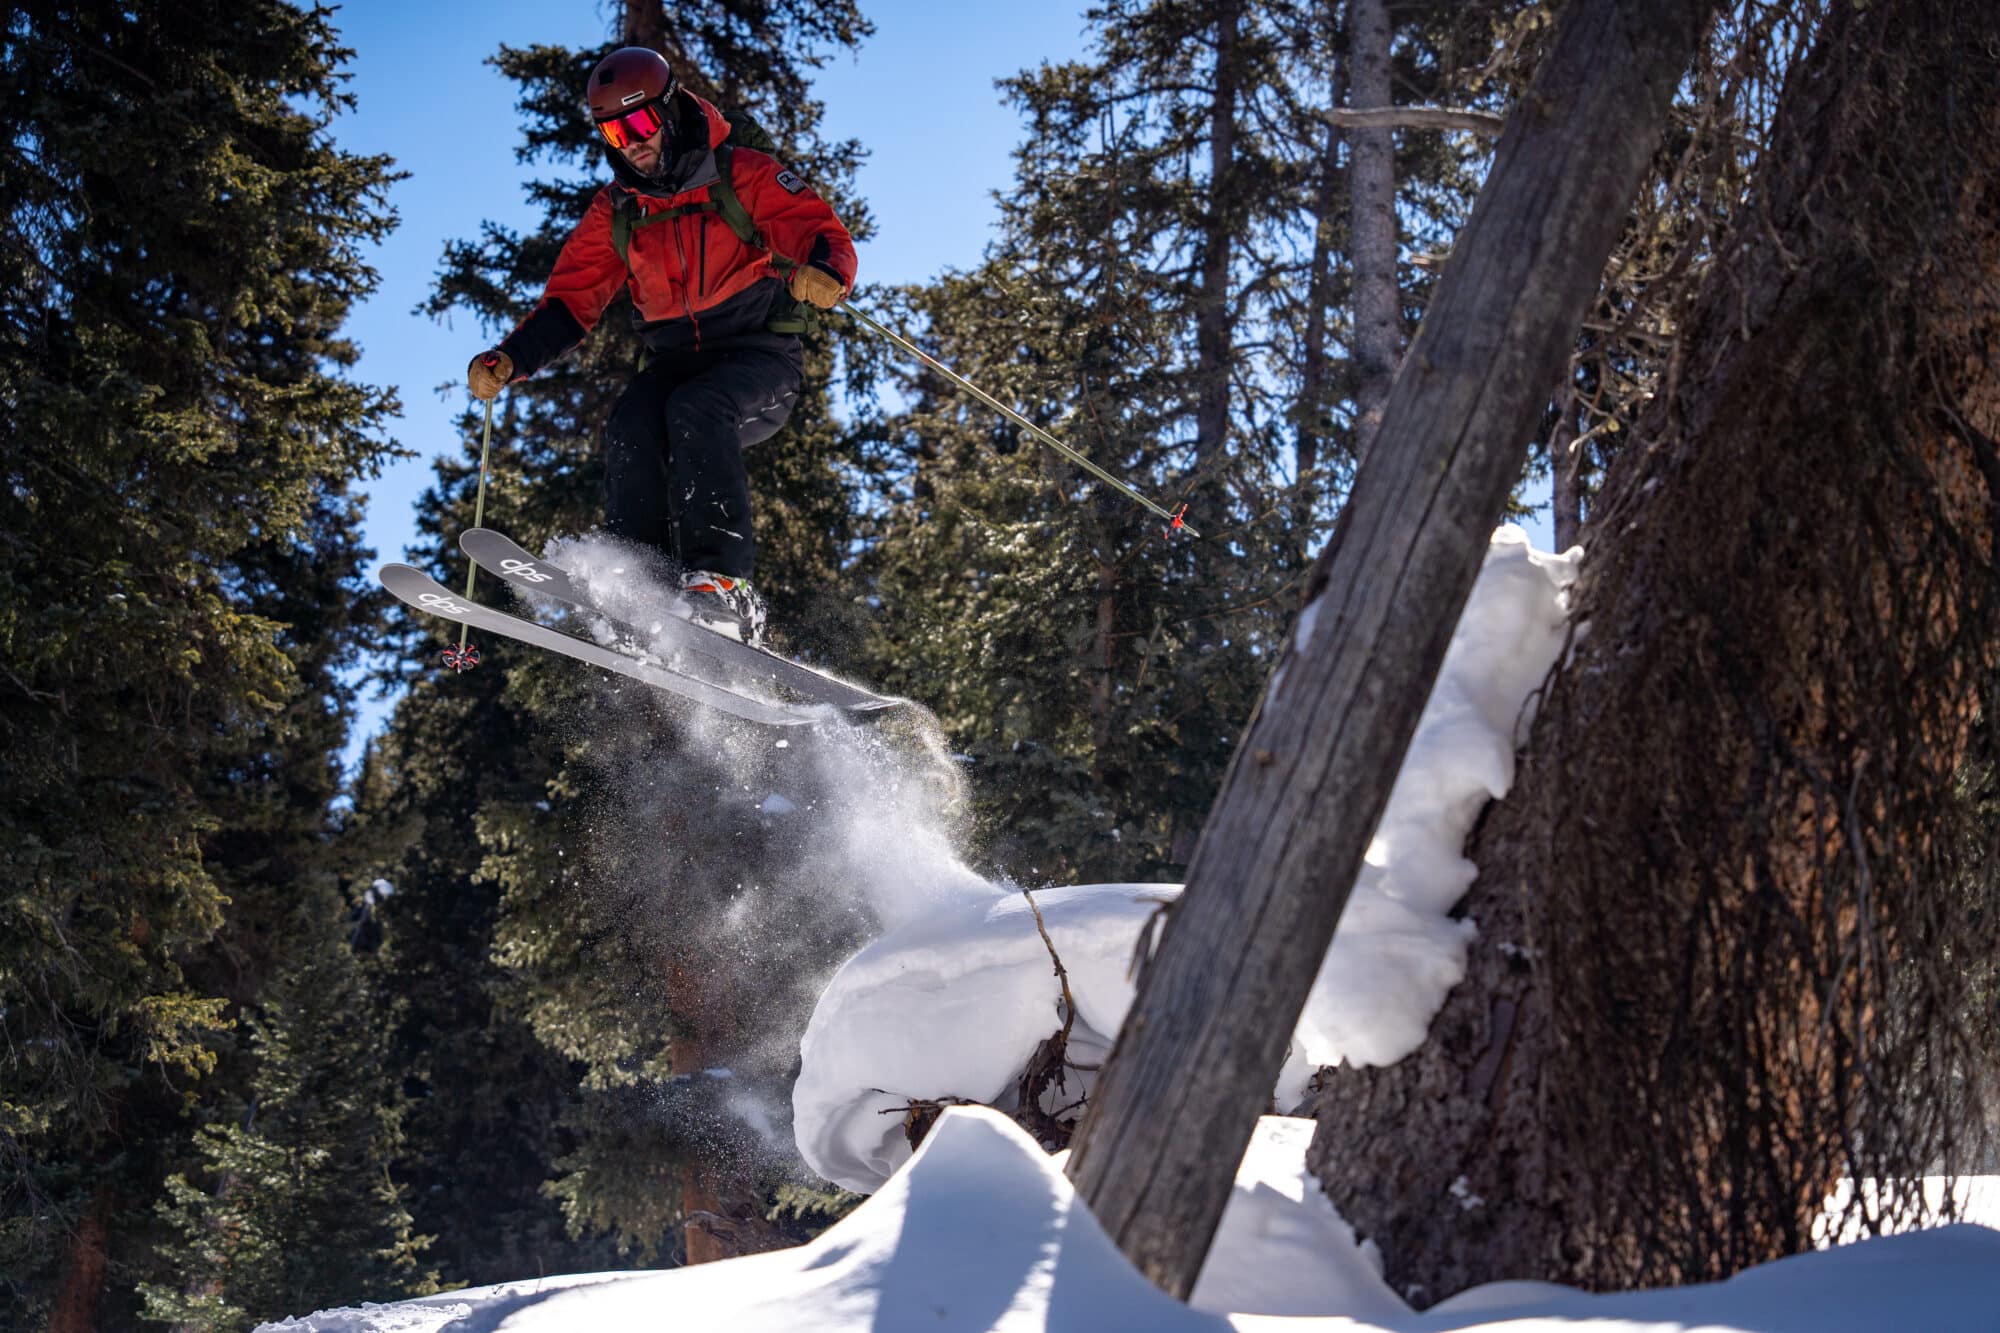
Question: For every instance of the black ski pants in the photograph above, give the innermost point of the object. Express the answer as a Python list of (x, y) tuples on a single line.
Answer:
[(674, 476)]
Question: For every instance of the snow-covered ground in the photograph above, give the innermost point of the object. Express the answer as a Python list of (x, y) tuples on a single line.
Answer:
[(1973, 1199), (979, 1230)]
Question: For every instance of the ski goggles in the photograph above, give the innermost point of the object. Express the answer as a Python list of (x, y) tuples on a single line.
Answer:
[(635, 126)]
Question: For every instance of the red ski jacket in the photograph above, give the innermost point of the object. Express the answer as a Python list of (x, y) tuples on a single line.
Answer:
[(692, 280)]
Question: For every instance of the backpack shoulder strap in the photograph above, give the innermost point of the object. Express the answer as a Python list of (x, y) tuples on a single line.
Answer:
[(622, 210), (729, 207), (798, 317)]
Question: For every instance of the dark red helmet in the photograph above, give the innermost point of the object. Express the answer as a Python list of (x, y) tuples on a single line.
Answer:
[(629, 78)]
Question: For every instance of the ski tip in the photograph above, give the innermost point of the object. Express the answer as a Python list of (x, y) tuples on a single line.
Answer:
[(869, 712)]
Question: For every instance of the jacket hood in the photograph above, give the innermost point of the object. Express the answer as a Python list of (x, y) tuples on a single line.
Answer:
[(695, 128)]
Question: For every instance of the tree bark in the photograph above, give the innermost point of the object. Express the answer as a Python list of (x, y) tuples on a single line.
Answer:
[(1211, 319), (1319, 298), (1203, 1042), (721, 1216), (1103, 660), (1566, 468), (644, 23), (1371, 222), (81, 1295), (1699, 907), (722, 1211)]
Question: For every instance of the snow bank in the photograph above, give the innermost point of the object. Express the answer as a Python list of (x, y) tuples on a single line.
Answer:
[(981, 1231), (951, 1003), (459, 1311), (1975, 1199), (1281, 1248), (951, 1006), (1398, 952)]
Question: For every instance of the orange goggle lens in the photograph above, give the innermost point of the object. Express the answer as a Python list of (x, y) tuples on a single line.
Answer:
[(632, 127)]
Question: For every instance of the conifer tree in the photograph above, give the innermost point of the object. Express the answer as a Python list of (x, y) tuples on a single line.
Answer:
[(486, 1096), (296, 1208), (1168, 294), (1094, 668), (182, 244)]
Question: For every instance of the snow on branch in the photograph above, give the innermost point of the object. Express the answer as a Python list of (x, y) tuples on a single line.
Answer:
[(1416, 118)]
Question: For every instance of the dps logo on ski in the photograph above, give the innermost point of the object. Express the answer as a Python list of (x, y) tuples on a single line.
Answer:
[(444, 604), (791, 183), (521, 569)]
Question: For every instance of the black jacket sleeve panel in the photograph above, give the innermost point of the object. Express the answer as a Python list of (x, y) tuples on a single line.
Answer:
[(821, 258), (543, 336)]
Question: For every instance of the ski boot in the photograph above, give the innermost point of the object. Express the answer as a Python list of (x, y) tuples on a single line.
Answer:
[(726, 605)]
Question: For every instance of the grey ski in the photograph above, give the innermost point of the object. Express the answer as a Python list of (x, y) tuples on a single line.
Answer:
[(499, 554), (418, 589)]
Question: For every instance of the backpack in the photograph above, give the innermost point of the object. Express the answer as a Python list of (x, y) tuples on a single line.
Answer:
[(789, 316)]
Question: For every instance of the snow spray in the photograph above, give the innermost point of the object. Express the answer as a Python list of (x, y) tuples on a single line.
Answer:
[(756, 859)]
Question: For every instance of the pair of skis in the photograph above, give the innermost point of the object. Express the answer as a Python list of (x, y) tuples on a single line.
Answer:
[(698, 664)]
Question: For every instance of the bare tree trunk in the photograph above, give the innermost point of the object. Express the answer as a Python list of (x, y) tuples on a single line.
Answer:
[(1371, 227), (1709, 914), (1103, 660), (81, 1296), (1566, 467), (1319, 297), (1211, 319), (644, 23), (1202, 1044), (722, 1214)]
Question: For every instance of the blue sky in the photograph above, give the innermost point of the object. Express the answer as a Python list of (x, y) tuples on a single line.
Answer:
[(919, 93)]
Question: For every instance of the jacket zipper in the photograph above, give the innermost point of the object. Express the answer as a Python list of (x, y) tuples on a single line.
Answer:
[(680, 252)]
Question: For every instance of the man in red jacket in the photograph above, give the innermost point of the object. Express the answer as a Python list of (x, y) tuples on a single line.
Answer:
[(720, 324)]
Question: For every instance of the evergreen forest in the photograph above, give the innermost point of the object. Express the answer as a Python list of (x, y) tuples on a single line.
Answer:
[(277, 1034)]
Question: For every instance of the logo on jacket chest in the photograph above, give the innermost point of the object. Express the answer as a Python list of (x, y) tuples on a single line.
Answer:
[(791, 183)]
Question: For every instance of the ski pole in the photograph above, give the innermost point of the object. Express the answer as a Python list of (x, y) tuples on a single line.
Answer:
[(1174, 519), (465, 657)]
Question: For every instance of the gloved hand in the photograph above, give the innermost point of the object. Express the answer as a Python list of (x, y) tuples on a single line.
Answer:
[(489, 373), (819, 284)]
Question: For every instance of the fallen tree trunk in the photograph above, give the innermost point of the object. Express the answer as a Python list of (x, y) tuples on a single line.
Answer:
[(1203, 1042)]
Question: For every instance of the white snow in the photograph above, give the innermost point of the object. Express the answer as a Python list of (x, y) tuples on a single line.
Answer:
[(950, 1006), (981, 1231), (1282, 1249), (1398, 951), (1976, 1199), (951, 1003)]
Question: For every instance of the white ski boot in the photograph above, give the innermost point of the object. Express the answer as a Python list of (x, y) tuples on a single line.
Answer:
[(724, 604)]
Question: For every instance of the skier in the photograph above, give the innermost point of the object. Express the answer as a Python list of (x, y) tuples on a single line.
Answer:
[(723, 364)]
